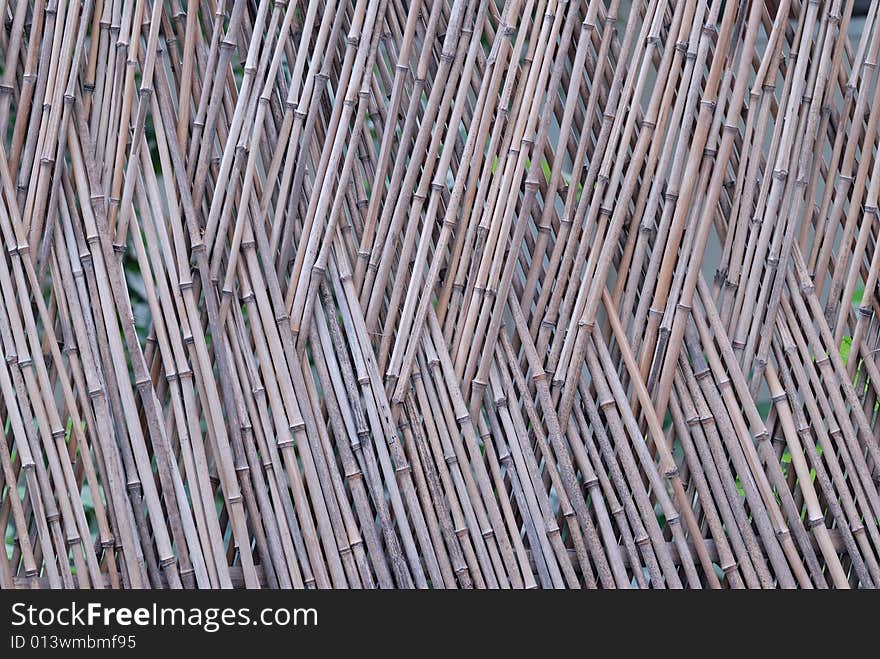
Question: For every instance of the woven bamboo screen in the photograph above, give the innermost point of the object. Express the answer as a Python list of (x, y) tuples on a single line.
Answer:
[(439, 293)]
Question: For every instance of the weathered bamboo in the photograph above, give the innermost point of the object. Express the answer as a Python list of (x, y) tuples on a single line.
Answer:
[(447, 294)]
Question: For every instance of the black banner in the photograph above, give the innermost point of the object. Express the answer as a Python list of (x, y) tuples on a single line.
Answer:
[(387, 623)]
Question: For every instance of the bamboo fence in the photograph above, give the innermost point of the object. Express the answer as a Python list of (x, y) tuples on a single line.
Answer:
[(439, 293)]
